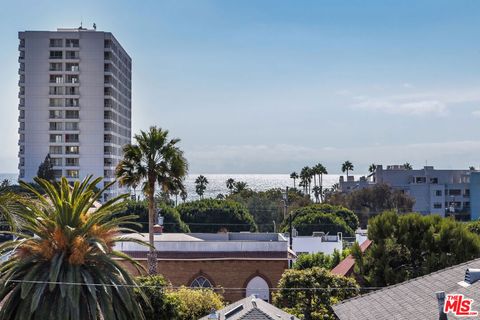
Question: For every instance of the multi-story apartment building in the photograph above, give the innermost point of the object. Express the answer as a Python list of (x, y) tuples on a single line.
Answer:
[(75, 103), (442, 192)]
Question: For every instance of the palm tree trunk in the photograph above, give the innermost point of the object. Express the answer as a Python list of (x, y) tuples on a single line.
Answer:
[(152, 255), (294, 184), (320, 182)]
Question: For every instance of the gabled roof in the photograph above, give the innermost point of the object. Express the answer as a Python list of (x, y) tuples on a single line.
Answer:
[(251, 308), (412, 299), (346, 266)]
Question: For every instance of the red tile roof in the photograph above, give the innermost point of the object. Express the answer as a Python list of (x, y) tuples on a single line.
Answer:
[(345, 267)]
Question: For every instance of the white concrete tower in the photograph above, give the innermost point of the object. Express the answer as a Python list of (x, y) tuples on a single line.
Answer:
[(75, 103)]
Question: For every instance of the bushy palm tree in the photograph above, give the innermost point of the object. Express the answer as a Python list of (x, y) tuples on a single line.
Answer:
[(294, 176), (372, 168), (62, 266), (154, 159), (240, 186), (407, 166), (230, 183), (346, 167), (201, 185)]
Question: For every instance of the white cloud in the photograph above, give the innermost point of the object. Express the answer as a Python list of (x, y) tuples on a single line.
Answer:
[(416, 104), (281, 158)]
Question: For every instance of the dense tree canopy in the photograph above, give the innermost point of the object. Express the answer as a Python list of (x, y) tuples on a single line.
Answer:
[(411, 245), (371, 201), (172, 221), (315, 303), (325, 218), (268, 206), (167, 303), (45, 169), (211, 215), (319, 259)]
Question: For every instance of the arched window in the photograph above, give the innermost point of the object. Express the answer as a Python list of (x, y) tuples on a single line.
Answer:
[(259, 287), (201, 282)]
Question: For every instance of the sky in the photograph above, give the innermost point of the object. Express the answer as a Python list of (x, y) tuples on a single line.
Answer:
[(268, 86)]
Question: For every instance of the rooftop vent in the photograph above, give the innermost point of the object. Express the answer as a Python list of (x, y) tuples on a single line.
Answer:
[(441, 301), (472, 275), (213, 315), (234, 311)]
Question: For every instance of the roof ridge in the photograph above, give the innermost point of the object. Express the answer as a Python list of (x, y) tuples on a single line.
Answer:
[(406, 281)]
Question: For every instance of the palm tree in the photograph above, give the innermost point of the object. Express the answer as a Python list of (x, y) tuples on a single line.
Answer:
[(230, 184), (471, 168), (240, 186), (201, 185), (294, 176), (346, 167), (320, 170), (63, 266), (372, 168), (317, 192), (306, 178), (407, 166), (154, 159)]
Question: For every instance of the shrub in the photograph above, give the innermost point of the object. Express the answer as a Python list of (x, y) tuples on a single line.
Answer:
[(211, 215)]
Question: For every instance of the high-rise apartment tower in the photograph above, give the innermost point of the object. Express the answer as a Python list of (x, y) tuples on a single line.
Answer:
[(75, 103)]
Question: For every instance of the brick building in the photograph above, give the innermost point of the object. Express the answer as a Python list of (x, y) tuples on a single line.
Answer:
[(241, 263)]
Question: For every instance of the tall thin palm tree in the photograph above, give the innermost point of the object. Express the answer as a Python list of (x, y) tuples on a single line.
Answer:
[(201, 185), (317, 192), (153, 159), (294, 176), (372, 168), (346, 167), (305, 176), (63, 264), (320, 170)]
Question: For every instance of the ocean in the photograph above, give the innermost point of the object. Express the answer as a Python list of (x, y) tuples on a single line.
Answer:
[(216, 182)]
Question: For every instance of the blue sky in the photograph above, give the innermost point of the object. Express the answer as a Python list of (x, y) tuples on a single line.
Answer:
[(270, 86)]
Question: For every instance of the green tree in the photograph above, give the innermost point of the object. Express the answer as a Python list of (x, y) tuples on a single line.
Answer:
[(312, 303), (159, 305), (372, 168), (306, 179), (267, 207), (240, 186), (64, 241), (346, 167), (201, 185), (45, 169), (317, 191), (211, 215), (172, 222), (230, 183), (371, 201), (407, 166), (320, 169), (194, 303), (319, 259), (324, 217), (154, 159), (412, 245), (294, 176)]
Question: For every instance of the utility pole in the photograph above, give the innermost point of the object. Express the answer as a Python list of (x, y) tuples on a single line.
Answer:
[(290, 233)]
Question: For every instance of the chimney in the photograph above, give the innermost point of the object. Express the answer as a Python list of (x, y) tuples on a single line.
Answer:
[(441, 302), (472, 275), (157, 229)]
